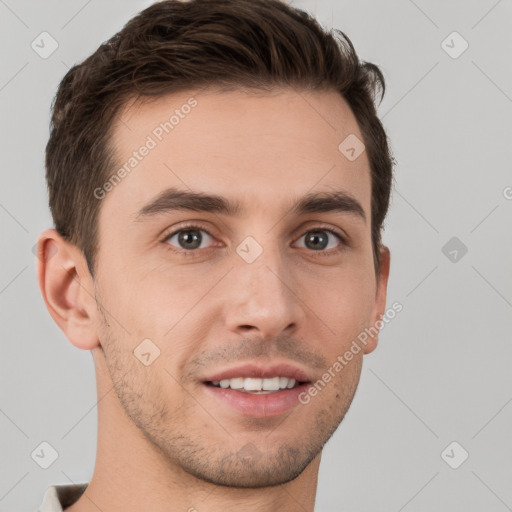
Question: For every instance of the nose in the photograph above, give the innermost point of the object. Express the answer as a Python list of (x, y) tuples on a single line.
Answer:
[(263, 297)]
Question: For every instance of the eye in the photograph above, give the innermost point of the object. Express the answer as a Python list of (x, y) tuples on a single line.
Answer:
[(320, 239), (189, 238)]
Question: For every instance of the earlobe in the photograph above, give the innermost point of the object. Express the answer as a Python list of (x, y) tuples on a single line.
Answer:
[(67, 288), (379, 308)]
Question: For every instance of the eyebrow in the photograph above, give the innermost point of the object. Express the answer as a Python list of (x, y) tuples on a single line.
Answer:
[(173, 199)]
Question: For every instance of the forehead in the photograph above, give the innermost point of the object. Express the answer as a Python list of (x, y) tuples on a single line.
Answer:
[(263, 147)]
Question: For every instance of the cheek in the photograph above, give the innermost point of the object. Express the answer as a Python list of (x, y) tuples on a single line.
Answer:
[(170, 307), (344, 304), (151, 300)]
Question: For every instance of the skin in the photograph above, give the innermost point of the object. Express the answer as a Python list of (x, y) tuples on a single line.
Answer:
[(163, 443)]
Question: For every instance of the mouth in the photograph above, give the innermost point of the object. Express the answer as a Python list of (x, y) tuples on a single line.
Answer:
[(256, 391), (257, 386)]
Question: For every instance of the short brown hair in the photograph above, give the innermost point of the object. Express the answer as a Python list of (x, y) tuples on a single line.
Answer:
[(173, 46)]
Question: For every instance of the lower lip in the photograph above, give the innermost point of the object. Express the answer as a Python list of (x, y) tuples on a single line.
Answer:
[(254, 405)]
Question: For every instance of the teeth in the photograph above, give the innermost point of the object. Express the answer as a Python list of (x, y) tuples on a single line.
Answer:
[(237, 383), (250, 384), (271, 384)]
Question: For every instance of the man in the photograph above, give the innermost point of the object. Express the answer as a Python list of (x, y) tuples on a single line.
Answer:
[(218, 179)]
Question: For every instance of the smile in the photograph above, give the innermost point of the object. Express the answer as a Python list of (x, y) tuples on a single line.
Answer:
[(256, 385)]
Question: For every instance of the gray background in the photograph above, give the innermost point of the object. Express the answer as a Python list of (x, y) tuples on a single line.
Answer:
[(442, 371)]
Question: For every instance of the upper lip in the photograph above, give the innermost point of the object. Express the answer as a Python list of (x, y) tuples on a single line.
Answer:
[(261, 371)]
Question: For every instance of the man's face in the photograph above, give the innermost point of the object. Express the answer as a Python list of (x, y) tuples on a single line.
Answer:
[(264, 292)]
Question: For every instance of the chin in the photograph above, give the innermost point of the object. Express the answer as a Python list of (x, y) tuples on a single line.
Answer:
[(250, 469)]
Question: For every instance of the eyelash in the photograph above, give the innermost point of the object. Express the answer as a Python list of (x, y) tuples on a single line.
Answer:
[(188, 253)]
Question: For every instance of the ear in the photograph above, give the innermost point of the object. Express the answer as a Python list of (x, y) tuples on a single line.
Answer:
[(379, 307), (67, 289)]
